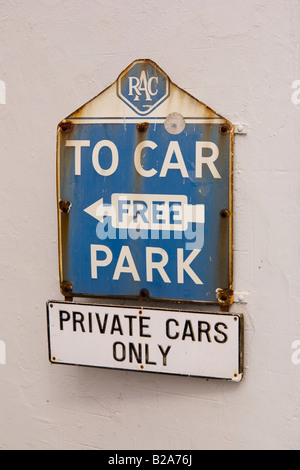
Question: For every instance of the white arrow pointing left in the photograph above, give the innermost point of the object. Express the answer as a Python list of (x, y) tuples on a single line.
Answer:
[(148, 211)]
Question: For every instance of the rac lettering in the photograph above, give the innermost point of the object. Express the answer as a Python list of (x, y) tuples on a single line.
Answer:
[(141, 84)]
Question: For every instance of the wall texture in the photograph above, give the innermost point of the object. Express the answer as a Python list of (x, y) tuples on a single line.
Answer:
[(240, 58)]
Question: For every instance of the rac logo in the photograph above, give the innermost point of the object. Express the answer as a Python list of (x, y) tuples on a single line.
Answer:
[(143, 86)]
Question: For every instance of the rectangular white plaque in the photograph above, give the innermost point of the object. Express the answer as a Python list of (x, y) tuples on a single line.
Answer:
[(146, 339)]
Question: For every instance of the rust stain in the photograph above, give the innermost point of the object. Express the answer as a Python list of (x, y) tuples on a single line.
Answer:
[(66, 289), (225, 296), (142, 132), (64, 130), (142, 126), (64, 235), (141, 135), (225, 292), (65, 206), (225, 128)]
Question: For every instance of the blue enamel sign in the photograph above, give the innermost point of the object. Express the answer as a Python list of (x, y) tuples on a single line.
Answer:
[(144, 194)]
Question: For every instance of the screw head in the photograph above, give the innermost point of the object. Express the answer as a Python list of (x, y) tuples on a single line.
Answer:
[(144, 293), (65, 206), (224, 128), (142, 126), (66, 288), (224, 213), (66, 126)]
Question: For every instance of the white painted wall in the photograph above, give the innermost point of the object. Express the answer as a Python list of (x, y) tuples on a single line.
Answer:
[(239, 57)]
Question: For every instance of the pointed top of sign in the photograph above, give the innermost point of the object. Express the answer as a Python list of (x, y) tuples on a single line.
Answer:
[(143, 89)]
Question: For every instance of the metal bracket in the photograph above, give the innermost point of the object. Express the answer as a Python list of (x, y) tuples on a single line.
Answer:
[(240, 128), (240, 297)]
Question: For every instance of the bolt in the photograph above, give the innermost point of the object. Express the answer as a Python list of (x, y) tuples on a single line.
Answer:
[(224, 128), (224, 213), (224, 296), (144, 293), (142, 126), (66, 126), (66, 287), (65, 206)]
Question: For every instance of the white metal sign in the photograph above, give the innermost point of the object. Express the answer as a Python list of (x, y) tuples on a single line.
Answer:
[(171, 342)]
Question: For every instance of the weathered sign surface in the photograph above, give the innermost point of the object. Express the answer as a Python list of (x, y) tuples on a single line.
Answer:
[(144, 193), (169, 342)]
